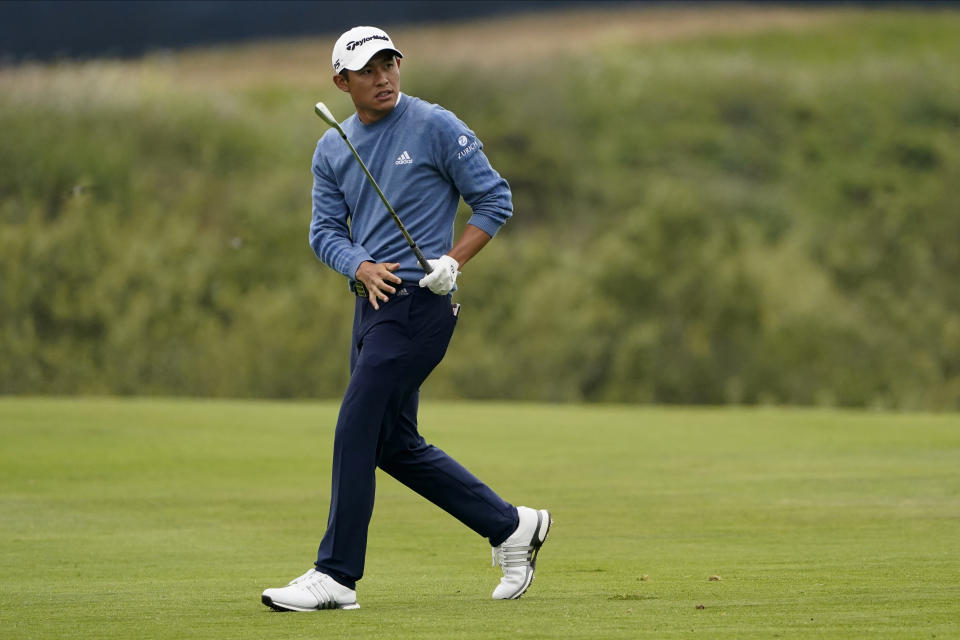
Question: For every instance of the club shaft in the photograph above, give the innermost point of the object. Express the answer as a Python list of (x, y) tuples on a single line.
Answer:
[(413, 245)]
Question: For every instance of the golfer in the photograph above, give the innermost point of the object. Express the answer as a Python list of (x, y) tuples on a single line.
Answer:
[(424, 159)]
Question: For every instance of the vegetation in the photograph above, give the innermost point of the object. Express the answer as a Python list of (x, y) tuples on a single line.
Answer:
[(751, 218)]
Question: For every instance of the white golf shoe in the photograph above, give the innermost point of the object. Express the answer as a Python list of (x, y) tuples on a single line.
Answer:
[(517, 556), (311, 592)]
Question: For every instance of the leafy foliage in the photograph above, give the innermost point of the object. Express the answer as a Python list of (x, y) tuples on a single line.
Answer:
[(744, 219)]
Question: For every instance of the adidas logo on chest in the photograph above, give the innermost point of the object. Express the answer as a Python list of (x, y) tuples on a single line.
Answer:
[(404, 158)]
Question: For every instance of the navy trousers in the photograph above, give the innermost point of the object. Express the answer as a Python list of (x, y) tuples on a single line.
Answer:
[(393, 351)]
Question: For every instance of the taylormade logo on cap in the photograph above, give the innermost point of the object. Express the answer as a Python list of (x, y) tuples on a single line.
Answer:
[(355, 48), (353, 44)]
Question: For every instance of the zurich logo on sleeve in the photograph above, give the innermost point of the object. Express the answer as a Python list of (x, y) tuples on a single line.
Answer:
[(467, 148)]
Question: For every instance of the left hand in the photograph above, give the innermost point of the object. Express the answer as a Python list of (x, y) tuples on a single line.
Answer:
[(379, 280), (443, 276)]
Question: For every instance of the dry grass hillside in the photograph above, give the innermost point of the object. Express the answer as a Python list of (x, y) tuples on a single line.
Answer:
[(488, 43), (497, 41)]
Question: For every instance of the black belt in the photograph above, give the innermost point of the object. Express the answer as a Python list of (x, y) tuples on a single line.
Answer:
[(403, 288)]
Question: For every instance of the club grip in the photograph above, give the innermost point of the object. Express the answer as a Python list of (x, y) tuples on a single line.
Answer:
[(427, 269)]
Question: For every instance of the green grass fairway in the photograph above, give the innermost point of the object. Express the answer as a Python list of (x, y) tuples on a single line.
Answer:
[(166, 519)]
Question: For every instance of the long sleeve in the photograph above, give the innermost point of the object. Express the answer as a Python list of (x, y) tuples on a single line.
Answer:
[(329, 227), (462, 161)]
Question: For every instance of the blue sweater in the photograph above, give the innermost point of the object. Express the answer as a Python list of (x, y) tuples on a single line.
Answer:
[(424, 160)]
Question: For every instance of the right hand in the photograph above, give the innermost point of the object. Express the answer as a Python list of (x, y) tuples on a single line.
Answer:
[(443, 277), (378, 277)]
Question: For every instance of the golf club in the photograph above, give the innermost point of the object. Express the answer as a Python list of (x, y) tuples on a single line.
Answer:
[(325, 115)]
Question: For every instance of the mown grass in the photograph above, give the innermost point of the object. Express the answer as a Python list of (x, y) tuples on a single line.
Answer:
[(166, 518)]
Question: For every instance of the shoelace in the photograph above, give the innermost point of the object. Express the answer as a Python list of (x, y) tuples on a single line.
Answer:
[(512, 556), (304, 577)]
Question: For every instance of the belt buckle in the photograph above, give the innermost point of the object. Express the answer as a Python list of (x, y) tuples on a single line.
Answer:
[(359, 289)]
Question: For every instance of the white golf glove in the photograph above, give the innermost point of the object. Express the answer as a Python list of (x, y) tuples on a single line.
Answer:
[(443, 276)]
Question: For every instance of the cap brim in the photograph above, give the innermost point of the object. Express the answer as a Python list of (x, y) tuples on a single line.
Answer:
[(356, 66)]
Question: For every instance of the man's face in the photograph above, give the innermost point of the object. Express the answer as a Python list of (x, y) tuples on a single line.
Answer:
[(374, 88)]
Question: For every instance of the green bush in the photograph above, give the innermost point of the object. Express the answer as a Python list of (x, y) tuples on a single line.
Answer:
[(742, 219)]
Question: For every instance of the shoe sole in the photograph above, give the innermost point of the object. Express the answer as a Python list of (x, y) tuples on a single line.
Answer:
[(536, 543), (267, 600)]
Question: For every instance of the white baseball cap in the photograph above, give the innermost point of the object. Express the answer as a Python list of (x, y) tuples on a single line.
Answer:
[(355, 48)]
